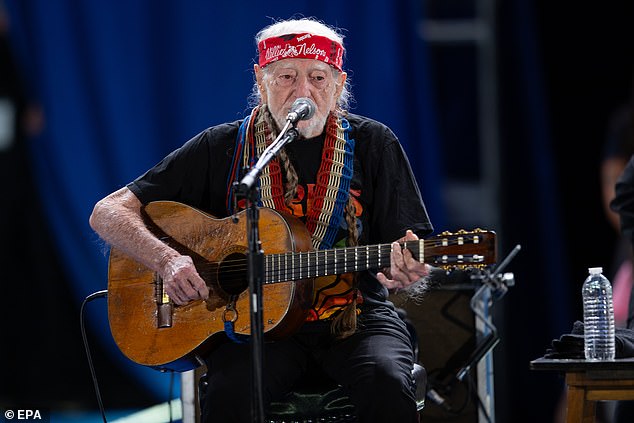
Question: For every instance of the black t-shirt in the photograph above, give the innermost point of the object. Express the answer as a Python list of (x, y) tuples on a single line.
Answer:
[(383, 185)]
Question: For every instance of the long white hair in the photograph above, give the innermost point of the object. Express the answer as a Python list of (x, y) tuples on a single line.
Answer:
[(297, 26)]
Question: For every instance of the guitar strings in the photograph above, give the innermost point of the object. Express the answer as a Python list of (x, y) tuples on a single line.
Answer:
[(344, 251), (234, 270), (306, 262), (310, 259)]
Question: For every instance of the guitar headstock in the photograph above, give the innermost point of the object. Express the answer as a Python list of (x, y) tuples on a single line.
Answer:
[(462, 249)]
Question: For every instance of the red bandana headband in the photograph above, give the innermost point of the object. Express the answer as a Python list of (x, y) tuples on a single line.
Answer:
[(301, 46)]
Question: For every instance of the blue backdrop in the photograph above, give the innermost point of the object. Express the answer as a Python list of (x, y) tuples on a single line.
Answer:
[(124, 83)]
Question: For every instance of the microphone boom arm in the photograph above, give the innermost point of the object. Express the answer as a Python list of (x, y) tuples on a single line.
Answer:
[(287, 135)]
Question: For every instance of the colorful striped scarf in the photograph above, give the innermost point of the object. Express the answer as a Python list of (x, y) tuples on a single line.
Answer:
[(332, 189)]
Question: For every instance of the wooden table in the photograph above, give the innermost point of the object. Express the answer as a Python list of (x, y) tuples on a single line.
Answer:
[(589, 382)]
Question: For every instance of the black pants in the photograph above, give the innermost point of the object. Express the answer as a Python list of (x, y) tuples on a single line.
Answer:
[(374, 364)]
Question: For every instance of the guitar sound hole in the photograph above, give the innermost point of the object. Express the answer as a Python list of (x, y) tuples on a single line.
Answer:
[(232, 274)]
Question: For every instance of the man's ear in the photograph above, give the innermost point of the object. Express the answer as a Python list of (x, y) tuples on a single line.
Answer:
[(259, 78), (340, 84)]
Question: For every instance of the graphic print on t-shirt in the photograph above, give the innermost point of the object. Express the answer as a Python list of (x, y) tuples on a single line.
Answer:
[(331, 293)]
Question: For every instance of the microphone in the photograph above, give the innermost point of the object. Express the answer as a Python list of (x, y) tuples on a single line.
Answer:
[(302, 109)]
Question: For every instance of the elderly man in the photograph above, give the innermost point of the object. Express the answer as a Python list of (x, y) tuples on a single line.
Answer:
[(346, 178)]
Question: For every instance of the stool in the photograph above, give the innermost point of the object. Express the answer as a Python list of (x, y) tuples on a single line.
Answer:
[(325, 401), (321, 400)]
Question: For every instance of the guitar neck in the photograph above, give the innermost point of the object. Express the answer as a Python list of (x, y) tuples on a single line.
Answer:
[(462, 249), (312, 264)]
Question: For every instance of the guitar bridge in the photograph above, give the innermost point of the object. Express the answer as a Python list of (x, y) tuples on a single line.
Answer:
[(164, 306)]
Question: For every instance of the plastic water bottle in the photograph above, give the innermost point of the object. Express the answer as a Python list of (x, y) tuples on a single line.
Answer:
[(598, 316)]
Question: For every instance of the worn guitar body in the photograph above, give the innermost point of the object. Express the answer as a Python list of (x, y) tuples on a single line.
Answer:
[(151, 330), (135, 309)]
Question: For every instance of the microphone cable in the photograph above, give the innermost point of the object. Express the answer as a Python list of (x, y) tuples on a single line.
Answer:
[(98, 294)]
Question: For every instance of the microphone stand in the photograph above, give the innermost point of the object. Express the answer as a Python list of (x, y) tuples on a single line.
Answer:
[(255, 263), (493, 286), (288, 134)]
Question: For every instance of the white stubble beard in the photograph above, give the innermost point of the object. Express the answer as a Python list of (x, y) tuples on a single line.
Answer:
[(310, 128)]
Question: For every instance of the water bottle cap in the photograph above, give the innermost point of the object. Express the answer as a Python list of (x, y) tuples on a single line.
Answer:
[(595, 270)]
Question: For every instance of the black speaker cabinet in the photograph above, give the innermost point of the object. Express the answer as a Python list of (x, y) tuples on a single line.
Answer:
[(445, 327)]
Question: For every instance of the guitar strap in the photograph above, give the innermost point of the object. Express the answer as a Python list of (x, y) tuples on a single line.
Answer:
[(332, 188), (325, 216), (229, 316)]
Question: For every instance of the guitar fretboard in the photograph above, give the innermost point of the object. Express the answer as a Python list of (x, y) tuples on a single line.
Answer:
[(312, 264)]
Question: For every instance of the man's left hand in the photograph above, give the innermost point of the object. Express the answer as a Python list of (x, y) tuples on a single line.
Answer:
[(404, 269)]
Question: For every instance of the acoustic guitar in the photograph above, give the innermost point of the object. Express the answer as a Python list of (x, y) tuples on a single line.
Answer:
[(151, 330)]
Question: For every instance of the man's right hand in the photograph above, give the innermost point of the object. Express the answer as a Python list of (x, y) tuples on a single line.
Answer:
[(182, 281)]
